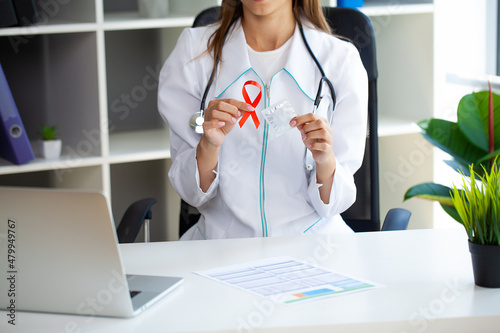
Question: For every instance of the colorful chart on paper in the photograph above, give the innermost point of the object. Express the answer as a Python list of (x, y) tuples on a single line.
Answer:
[(286, 280)]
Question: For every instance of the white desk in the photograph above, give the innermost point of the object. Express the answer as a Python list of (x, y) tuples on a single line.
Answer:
[(427, 273)]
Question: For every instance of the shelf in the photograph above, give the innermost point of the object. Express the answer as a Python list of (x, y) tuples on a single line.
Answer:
[(59, 17), (54, 80), (384, 10), (61, 27), (132, 21), (139, 146), (473, 79), (124, 147), (40, 164), (388, 126)]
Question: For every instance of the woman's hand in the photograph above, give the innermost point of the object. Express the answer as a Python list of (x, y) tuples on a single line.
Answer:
[(318, 138), (220, 118)]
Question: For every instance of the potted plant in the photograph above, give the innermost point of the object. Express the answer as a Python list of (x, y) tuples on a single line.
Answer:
[(473, 143), (473, 140), (49, 145), (478, 205)]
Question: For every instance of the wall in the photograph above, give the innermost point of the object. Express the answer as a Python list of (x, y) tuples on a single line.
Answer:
[(465, 54)]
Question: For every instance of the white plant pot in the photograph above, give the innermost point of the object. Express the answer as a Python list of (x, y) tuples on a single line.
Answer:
[(50, 149), (153, 8)]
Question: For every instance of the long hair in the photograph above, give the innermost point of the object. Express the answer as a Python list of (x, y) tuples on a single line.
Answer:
[(232, 10)]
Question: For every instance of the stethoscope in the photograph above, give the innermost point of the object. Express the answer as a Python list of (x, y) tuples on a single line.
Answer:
[(197, 119)]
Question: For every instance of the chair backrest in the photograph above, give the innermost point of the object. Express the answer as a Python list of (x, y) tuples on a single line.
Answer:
[(396, 219), (133, 219), (364, 214)]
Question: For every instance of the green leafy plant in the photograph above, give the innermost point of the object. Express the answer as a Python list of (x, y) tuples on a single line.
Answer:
[(478, 205), (48, 133), (471, 141)]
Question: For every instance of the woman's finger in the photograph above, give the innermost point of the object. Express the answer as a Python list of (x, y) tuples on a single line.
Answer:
[(318, 134), (314, 125), (231, 106), (316, 131), (223, 116), (299, 121), (211, 124), (320, 147)]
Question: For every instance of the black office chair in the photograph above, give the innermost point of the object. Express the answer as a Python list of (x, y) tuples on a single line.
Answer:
[(364, 214), (136, 215)]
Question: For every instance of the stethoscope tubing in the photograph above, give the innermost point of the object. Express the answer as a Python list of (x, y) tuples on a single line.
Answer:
[(197, 119)]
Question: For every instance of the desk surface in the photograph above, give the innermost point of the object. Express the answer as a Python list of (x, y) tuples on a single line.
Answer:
[(427, 274)]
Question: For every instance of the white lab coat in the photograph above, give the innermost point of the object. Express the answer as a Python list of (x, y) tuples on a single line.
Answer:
[(262, 187)]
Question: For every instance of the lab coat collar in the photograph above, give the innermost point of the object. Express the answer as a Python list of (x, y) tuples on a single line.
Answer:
[(235, 61)]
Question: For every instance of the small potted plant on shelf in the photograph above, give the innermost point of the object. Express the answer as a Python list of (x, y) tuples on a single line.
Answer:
[(49, 145), (473, 142), (478, 205)]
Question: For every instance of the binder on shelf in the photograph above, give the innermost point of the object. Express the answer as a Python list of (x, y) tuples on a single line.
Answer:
[(14, 143), (26, 12), (8, 16)]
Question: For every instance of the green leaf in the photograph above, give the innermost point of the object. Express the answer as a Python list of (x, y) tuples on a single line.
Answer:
[(482, 102), (470, 121), (478, 166), (430, 191), (478, 205), (447, 136), (457, 166), (487, 157), (452, 211), (48, 133)]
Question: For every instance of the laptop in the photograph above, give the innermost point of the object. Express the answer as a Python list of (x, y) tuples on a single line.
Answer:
[(60, 254)]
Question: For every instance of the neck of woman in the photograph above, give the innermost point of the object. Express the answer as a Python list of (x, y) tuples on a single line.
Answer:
[(268, 33)]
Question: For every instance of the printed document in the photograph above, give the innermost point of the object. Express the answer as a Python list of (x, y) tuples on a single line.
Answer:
[(286, 279)]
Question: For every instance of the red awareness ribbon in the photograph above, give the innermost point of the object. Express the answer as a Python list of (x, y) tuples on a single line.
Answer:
[(254, 104)]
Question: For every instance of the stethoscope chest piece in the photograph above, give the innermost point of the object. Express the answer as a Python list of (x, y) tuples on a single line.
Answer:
[(196, 122)]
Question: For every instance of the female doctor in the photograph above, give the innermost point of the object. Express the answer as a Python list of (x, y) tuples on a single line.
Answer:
[(246, 180)]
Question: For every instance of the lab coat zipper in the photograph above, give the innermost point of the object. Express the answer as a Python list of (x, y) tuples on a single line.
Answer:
[(265, 232)]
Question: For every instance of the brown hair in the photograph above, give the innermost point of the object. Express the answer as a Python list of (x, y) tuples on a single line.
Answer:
[(232, 10)]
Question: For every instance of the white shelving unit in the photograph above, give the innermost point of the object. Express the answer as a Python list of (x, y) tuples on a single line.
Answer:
[(91, 69)]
